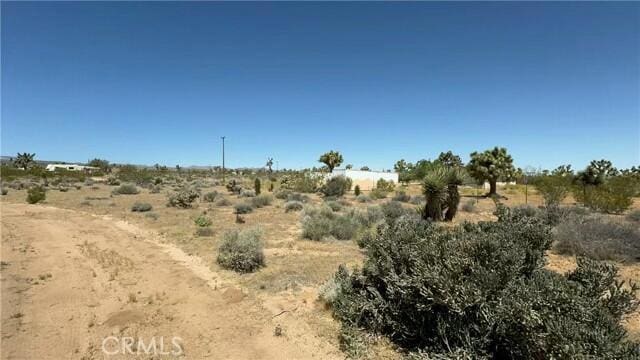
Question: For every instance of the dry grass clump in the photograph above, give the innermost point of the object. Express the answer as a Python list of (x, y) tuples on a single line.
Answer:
[(241, 250), (141, 207)]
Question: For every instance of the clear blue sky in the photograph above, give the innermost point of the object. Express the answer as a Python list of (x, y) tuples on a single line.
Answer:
[(161, 82)]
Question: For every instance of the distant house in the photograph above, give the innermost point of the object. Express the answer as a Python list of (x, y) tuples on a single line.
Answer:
[(71, 167), (366, 179)]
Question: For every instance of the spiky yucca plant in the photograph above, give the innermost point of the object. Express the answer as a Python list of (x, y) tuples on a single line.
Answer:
[(455, 178), (434, 187)]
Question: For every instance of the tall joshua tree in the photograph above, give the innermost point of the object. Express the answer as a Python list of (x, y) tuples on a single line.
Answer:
[(491, 165), (24, 160), (269, 164), (332, 159)]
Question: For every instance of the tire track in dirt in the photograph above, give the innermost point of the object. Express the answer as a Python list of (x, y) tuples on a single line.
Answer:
[(70, 280)]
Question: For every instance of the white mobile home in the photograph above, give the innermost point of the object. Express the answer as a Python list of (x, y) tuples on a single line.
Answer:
[(366, 179), (71, 167)]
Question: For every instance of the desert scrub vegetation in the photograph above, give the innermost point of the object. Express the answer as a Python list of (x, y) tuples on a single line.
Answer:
[(241, 250), (336, 186), (334, 205), (362, 198), (126, 189), (247, 193), (202, 221), (632, 216), (223, 202), (469, 206), (36, 194), (243, 208), (303, 182), (553, 188), (261, 200), (384, 185), (4, 191), (480, 291), (293, 206), (321, 222), (282, 194), (183, 198), (141, 207), (401, 196), (598, 237), (210, 196), (378, 193)]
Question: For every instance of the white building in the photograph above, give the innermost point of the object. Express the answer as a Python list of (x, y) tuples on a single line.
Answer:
[(366, 179), (70, 167)]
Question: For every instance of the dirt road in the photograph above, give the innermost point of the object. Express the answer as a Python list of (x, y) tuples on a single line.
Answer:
[(77, 286)]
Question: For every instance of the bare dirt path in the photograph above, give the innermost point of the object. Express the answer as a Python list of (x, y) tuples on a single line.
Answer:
[(70, 280)]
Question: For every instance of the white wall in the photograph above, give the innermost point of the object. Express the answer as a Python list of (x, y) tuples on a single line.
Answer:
[(365, 179)]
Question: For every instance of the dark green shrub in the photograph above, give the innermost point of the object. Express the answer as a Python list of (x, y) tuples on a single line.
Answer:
[(293, 206), (384, 185), (282, 194), (203, 221), (401, 196), (141, 207), (613, 197), (241, 251), (356, 190), (393, 210), (4, 191), (378, 194), (243, 208), (321, 222), (183, 198), (256, 186), (36, 194), (479, 291), (597, 237), (126, 189), (210, 196), (336, 186), (553, 188), (262, 200)]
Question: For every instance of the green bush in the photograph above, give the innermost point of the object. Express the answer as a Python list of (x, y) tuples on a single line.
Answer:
[(293, 206), (261, 200), (241, 251), (613, 197), (334, 205), (243, 208), (321, 222), (378, 194), (282, 194), (384, 185), (126, 189), (553, 188), (401, 196), (297, 197), (598, 237), (183, 198), (223, 202), (113, 181), (210, 196), (336, 186), (247, 193), (356, 190), (393, 210), (4, 191), (303, 182), (141, 207), (36, 194), (203, 221), (480, 291), (363, 198)]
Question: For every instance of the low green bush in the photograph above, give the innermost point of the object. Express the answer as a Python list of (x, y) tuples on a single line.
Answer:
[(378, 193), (401, 196), (553, 188), (4, 191), (141, 207), (363, 198), (293, 206), (334, 205), (384, 185), (480, 291), (223, 202), (36, 194), (203, 221), (613, 197), (282, 194), (126, 189), (247, 193), (241, 250), (243, 208), (336, 186), (183, 198), (321, 222), (210, 196)]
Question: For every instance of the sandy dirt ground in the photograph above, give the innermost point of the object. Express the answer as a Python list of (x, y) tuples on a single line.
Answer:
[(70, 280)]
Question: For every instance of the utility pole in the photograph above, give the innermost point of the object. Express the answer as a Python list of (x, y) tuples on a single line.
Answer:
[(223, 178)]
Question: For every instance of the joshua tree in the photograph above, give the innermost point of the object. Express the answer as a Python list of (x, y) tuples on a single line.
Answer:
[(491, 165), (24, 160), (269, 164), (99, 163), (365, 168), (602, 168), (455, 178), (435, 189), (332, 159), (450, 159), (349, 167)]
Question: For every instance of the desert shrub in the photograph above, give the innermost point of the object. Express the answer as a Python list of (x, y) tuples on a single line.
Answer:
[(262, 200), (36, 194), (469, 206), (384, 185), (633, 216), (298, 197), (334, 205), (243, 208), (247, 193), (597, 237), (141, 207), (241, 251), (88, 182), (393, 210), (417, 200), (152, 215), (202, 221), (363, 198), (78, 187), (336, 186), (256, 186), (113, 181), (210, 196), (155, 189), (372, 215), (282, 194), (356, 190), (4, 191), (401, 196), (553, 188), (126, 189), (183, 198), (204, 231), (613, 197), (378, 194), (223, 202), (293, 206), (321, 222), (63, 189), (234, 187), (481, 290), (304, 182)]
